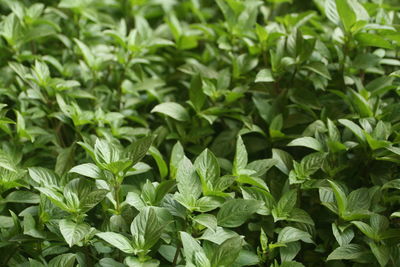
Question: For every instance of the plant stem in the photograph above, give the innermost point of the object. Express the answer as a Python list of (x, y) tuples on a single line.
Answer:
[(178, 248), (293, 76), (345, 53), (12, 253), (116, 196)]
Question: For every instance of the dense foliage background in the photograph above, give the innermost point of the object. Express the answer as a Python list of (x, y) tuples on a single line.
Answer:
[(199, 133)]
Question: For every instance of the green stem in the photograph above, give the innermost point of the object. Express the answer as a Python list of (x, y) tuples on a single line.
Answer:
[(345, 53), (293, 75), (142, 256), (9, 256), (178, 248), (76, 22), (87, 256), (126, 8), (116, 196)]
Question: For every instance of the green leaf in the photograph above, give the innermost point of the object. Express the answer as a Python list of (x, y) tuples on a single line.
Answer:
[(284, 160), (381, 253), (312, 162), (291, 264), (347, 252), (65, 260), (162, 189), (35, 263), (65, 160), (136, 262), (263, 240), (299, 215), (227, 252), (340, 197), (261, 166), (6, 222), (319, 68), (331, 11), (285, 205), (240, 160), (265, 76), (135, 200), (88, 170), (174, 26), (218, 236), (75, 191), (307, 141), (43, 176), (22, 197), (395, 214), (291, 234), (290, 251), (207, 168), (188, 182), (138, 150), (207, 220), (224, 182), (208, 203), (376, 144), (360, 104), (177, 155), (354, 128), (276, 126), (244, 179), (173, 110), (343, 237), (108, 262), (379, 222), (93, 198), (210, 134), (235, 212), (146, 229), (162, 165), (359, 199), (373, 40), (246, 258), (196, 94), (366, 229), (262, 195), (73, 232), (346, 14), (117, 240), (191, 248), (395, 184), (30, 227), (105, 153), (55, 197), (87, 54)]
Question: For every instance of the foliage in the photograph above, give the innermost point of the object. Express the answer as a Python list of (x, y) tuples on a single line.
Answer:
[(232, 133)]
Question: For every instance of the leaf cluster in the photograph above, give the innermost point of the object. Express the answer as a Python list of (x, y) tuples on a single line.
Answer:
[(225, 133)]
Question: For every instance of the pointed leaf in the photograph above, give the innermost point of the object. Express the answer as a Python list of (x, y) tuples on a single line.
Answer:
[(347, 252), (307, 141), (235, 212), (117, 240), (227, 252), (73, 232), (146, 229), (173, 110)]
